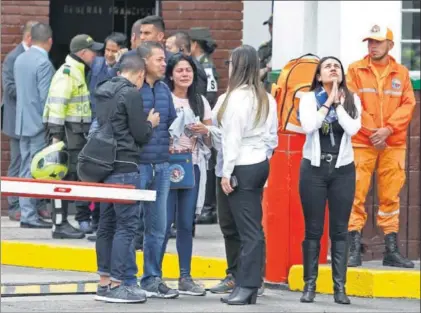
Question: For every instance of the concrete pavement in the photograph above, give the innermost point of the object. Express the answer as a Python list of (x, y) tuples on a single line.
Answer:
[(35, 248), (272, 301)]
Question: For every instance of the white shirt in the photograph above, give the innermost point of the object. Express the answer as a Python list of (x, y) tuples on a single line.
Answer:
[(25, 46), (311, 121), (242, 142)]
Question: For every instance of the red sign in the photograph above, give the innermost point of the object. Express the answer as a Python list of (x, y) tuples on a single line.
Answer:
[(62, 189)]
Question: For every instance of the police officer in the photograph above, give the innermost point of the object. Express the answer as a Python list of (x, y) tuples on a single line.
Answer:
[(265, 55), (67, 116), (202, 46)]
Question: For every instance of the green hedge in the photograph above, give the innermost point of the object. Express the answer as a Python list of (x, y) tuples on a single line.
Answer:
[(273, 77)]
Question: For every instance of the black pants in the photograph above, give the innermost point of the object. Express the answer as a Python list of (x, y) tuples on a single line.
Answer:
[(240, 219), (60, 209), (326, 183), (210, 193)]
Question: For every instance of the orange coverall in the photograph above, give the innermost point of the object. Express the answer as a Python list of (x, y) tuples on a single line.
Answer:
[(388, 100)]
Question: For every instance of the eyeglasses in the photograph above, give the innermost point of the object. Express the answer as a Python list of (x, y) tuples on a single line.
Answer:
[(227, 62)]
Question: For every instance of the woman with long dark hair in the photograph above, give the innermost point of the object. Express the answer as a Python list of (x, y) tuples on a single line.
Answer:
[(181, 75), (330, 115), (246, 115)]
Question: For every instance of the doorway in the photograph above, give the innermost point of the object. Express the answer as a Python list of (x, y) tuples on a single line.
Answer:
[(97, 18)]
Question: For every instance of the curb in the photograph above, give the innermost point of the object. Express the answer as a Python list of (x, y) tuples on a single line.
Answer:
[(81, 259), (69, 288), (364, 282)]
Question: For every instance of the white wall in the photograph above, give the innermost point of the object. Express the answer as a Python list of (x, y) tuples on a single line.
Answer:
[(293, 31), (330, 28), (255, 13), (362, 15)]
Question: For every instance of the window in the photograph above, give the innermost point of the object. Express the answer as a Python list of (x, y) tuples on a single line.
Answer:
[(411, 38)]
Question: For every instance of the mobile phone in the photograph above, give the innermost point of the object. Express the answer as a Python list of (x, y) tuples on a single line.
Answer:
[(233, 182)]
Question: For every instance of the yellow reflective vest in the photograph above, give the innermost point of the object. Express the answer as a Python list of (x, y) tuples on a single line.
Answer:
[(68, 97)]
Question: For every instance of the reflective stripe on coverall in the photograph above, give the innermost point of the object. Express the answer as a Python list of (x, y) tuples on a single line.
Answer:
[(388, 101)]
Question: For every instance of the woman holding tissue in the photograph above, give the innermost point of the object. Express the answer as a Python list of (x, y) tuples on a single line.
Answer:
[(246, 115), (181, 76), (330, 115)]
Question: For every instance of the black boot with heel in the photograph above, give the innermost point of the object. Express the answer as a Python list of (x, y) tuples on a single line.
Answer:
[(243, 296), (231, 295), (339, 251), (311, 249)]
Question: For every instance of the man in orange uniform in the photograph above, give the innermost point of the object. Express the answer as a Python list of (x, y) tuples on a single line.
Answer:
[(388, 100)]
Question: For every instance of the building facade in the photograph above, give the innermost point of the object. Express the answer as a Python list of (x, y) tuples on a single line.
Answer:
[(300, 27), (337, 28), (99, 17)]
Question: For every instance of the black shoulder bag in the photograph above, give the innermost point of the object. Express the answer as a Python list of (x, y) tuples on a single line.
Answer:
[(97, 158)]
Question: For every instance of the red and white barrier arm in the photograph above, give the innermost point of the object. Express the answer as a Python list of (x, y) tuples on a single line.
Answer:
[(69, 190)]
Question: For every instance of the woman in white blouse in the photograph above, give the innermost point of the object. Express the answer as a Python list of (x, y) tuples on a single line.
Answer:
[(246, 115), (330, 115)]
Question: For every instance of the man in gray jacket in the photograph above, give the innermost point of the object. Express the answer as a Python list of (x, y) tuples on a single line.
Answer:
[(33, 73), (9, 107)]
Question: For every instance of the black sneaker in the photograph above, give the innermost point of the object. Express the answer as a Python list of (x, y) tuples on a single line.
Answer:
[(224, 286), (123, 294), (158, 289)]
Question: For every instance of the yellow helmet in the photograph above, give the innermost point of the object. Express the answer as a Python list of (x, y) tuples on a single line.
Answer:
[(51, 162)]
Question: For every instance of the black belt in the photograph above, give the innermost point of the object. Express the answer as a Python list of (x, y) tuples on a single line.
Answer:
[(328, 157)]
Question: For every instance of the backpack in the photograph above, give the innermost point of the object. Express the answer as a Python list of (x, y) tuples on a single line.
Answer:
[(96, 159), (294, 80)]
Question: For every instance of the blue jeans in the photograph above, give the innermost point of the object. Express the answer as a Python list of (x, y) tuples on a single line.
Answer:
[(183, 203), (29, 146), (152, 177), (117, 227)]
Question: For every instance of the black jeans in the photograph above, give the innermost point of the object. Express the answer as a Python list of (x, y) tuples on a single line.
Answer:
[(326, 183), (240, 219)]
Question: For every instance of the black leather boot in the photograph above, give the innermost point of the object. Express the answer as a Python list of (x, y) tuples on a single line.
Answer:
[(392, 256), (207, 216), (355, 249), (66, 231), (311, 249), (62, 229), (243, 296), (339, 267), (231, 295)]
